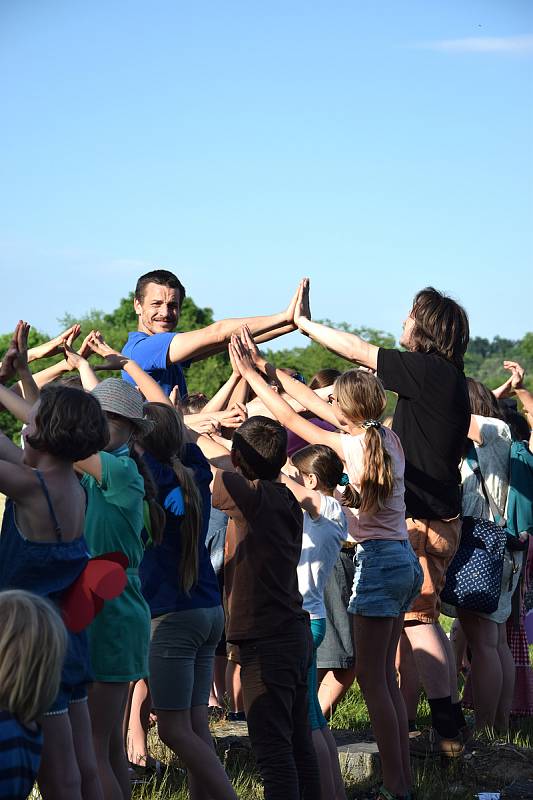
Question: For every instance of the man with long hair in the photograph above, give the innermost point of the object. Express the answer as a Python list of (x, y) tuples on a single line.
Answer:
[(431, 419)]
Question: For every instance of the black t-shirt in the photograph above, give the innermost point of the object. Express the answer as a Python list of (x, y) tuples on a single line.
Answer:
[(432, 420), (262, 552)]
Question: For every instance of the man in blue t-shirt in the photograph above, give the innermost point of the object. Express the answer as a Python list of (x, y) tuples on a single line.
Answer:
[(163, 353)]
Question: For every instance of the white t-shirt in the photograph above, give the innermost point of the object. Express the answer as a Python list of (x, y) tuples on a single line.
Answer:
[(321, 543)]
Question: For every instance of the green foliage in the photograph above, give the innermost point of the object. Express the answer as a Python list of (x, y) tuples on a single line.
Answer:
[(483, 361)]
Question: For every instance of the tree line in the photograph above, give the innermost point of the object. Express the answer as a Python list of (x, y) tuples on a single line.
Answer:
[(483, 359)]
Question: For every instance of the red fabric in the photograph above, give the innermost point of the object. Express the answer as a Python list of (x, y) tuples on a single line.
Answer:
[(104, 578)]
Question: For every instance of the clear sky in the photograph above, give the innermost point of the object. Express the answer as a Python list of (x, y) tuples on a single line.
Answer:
[(376, 147)]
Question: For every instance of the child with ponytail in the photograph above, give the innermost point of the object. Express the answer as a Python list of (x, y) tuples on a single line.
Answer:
[(388, 576), (181, 588)]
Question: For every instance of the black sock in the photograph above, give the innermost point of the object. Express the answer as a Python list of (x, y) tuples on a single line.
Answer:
[(442, 717), (458, 715)]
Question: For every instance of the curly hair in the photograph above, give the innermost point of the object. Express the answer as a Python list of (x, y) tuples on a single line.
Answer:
[(69, 424)]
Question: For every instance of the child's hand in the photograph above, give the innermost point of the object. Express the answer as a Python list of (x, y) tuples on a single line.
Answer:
[(241, 356), (251, 347), (517, 374)]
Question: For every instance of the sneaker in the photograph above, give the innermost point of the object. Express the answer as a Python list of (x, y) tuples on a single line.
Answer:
[(431, 743)]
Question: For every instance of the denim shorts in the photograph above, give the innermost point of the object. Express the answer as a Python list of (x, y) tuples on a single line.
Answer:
[(67, 695), (387, 578)]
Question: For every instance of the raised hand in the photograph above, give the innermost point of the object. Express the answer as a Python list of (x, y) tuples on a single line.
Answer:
[(7, 367), (241, 355), (55, 345), (249, 344), (517, 374), (74, 360), (21, 358), (292, 305), (113, 359), (302, 309)]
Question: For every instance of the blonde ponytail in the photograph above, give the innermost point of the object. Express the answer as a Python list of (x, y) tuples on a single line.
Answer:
[(362, 399)]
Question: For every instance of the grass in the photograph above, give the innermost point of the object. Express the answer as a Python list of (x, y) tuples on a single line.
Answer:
[(433, 780)]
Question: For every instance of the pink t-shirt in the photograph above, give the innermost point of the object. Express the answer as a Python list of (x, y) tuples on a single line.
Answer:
[(388, 522)]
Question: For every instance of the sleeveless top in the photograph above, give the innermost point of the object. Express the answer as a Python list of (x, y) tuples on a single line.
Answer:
[(47, 569)]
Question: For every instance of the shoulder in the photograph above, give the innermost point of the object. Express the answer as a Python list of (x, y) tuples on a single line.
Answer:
[(331, 509), (493, 431), (119, 471)]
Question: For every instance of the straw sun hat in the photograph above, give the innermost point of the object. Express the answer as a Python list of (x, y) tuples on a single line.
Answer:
[(121, 398)]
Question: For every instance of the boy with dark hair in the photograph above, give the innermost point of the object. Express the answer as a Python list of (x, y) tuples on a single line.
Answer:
[(264, 616)]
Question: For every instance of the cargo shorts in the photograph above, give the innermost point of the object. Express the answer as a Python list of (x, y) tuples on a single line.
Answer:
[(435, 543)]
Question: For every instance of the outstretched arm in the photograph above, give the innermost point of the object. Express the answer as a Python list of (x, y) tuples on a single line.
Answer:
[(305, 396), (347, 345), (277, 405), (215, 338), (115, 360)]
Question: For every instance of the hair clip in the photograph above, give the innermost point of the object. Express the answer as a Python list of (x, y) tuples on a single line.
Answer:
[(371, 423), (345, 480)]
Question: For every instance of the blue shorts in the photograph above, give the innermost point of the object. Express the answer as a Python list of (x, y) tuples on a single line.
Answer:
[(67, 694), (387, 578)]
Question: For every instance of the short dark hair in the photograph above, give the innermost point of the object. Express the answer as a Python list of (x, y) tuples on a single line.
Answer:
[(70, 424), (518, 424), (260, 445), (441, 326), (163, 278)]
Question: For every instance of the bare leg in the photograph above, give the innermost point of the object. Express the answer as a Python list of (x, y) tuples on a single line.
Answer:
[(80, 722), (59, 777), (138, 723), (503, 711), (338, 783), (397, 699), (408, 674), (218, 688), (208, 779), (431, 658), (332, 686), (458, 640), (486, 669), (106, 706), (234, 686), (375, 639)]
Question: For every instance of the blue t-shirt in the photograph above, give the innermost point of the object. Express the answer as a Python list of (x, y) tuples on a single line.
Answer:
[(150, 352), (159, 570), (20, 756)]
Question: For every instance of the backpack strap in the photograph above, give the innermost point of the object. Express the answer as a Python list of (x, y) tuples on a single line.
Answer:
[(473, 463)]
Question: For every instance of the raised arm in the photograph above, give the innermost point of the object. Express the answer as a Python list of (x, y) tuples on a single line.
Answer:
[(215, 338), (305, 396), (277, 405), (309, 499), (348, 345), (115, 360)]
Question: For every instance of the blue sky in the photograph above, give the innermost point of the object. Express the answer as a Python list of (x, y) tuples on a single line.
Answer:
[(376, 147)]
